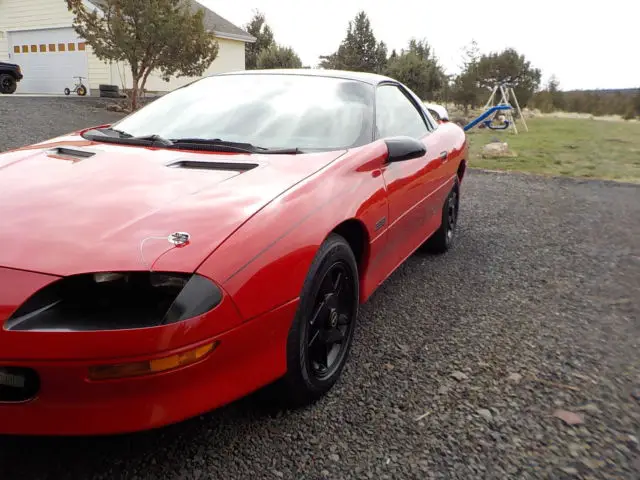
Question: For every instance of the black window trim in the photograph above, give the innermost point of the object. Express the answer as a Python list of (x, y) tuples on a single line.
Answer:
[(404, 90)]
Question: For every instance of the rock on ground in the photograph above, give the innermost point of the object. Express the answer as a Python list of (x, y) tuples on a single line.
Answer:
[(497, 150)]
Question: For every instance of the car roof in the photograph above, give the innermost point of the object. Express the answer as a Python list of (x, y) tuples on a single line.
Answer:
[(370, 78)]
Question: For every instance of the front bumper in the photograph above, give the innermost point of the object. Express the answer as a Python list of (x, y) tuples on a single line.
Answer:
[(249, 355)]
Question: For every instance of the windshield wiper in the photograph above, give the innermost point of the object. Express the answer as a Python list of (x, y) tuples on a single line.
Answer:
[(208, 144), (126, 138), (121, 132), (155, 139), (109, 130), (216, 144)]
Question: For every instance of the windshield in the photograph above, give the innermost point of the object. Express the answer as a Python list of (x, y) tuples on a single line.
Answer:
[(270, 110)]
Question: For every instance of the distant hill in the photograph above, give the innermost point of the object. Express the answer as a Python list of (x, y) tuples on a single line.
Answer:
[(611, 101), (607, 91)]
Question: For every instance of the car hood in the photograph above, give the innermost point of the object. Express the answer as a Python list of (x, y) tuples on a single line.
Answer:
[(74, 206)]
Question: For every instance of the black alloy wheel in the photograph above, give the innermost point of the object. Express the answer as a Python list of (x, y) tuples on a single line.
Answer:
[(452, 215), (442, 239), (322, 331), (332, 322)]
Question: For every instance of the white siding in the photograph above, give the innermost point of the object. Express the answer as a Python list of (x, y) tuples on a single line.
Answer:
[(4, 42), (24, 14), (99, 72)]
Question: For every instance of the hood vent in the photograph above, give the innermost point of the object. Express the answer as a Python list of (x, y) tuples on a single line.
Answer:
[(204, 165), (71, 153)]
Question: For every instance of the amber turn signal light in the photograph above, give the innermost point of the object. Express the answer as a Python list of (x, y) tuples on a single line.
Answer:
[(148, 367)]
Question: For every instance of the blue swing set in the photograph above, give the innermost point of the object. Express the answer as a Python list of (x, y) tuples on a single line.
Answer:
[(504, 105), (488, 122)]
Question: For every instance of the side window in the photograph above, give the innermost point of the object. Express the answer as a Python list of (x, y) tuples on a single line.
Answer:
[(431, 119), (396, 114)]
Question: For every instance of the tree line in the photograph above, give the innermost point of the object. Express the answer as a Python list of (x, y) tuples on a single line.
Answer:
[(169, 37), (417, 66), (623, 102)]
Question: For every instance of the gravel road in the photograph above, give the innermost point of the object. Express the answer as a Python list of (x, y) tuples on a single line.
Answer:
[(459, 361)]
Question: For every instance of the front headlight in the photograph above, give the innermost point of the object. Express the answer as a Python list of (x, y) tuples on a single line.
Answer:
[(116, 301)]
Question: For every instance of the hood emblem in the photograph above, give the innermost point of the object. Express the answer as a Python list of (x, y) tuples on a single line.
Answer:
[(179, 239), (176, 239)]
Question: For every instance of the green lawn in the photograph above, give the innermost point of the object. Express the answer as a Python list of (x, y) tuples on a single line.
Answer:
[(569, 147)]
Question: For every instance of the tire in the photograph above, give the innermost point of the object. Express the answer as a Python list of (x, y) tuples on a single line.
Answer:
[(109, 88), (82, 90), (67, 92), (8, 84), (307, 379), (109, 94), (442, 240)]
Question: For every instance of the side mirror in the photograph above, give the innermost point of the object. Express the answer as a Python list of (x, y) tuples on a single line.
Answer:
[(404, 148)]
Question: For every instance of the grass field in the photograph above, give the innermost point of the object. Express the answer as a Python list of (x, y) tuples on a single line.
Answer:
[(567, 147)]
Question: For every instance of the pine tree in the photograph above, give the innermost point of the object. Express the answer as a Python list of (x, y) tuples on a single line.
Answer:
[(258, 28), (418, 70), (278, 56), (359, 51)]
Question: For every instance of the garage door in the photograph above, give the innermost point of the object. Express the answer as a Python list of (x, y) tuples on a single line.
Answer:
[(49, 59)]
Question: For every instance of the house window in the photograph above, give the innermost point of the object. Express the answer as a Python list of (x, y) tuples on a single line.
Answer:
[(72, 47), (16, 49), (62, 47), (82, 46), (52, 47), (43, 48), (25, 48), (34, 48)]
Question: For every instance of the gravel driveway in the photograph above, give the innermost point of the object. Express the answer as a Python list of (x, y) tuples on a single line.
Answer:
[(459, 361), (25, 120)]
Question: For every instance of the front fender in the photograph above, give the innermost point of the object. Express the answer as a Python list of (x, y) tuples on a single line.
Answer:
[(264, 264)]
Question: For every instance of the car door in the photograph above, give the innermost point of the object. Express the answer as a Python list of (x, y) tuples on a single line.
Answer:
[(410, 184)]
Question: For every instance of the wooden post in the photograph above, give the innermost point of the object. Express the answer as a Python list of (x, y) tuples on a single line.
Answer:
[(490, 101), (519, 111), (505, 100)]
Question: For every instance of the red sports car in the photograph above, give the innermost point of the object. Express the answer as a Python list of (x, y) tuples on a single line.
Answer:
[(216, 241)]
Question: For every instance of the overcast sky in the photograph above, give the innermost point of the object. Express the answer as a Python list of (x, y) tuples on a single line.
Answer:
[(586, 47)]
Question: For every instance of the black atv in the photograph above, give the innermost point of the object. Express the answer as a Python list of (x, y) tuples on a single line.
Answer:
[(10, 75)]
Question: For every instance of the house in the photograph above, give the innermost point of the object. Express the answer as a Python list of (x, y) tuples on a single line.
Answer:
[(38, 35)]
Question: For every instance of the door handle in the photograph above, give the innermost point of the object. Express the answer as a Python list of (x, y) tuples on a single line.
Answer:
[(444, 155)]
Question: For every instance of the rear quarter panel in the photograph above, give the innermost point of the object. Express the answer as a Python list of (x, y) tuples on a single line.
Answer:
[(455, 140)]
